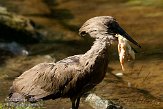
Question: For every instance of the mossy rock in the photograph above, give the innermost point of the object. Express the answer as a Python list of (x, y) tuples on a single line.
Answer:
[(17, 28)]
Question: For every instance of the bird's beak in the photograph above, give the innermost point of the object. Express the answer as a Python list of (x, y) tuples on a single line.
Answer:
[(120, 31)]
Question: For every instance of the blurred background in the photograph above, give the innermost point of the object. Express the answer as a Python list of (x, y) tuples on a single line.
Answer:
[(35, 31)]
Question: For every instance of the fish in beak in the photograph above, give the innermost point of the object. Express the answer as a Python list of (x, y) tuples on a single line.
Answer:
[(124, 49)]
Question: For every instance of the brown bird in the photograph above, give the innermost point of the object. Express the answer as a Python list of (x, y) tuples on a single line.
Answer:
[(74, 75)]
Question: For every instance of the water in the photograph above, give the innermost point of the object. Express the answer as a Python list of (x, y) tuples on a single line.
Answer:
[(62, 20)]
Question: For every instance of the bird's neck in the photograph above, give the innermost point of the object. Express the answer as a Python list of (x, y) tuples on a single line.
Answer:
[(97, 54)]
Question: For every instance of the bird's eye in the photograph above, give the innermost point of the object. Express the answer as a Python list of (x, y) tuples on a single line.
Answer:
[(83, 33)]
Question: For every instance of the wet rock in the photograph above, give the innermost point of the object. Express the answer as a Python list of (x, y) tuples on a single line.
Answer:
[(14, 48), (17, 28), (98, 103), (119, 74)]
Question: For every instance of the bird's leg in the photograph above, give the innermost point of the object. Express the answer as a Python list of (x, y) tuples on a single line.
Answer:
[(77, 102), (73, 103)]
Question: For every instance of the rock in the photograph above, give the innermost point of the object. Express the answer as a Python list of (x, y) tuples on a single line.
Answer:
[(14, 48), (119, 74), (17, 28), (98, 103)]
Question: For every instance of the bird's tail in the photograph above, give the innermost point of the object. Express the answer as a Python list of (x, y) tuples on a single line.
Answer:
[(16, 97)]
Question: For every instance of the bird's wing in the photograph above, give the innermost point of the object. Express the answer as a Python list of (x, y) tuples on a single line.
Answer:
[(46, 78)]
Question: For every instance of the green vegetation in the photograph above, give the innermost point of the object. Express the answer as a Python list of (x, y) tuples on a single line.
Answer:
[(20, 106), (1, 106)]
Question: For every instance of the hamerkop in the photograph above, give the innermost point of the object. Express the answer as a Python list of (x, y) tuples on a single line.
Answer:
[(74, 75)]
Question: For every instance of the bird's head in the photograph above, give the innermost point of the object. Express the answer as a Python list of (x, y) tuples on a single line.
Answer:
[(102, 27)]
